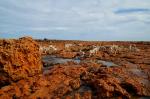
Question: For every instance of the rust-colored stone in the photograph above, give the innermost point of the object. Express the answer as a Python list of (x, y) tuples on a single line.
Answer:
[(19, 59), (87, 79)]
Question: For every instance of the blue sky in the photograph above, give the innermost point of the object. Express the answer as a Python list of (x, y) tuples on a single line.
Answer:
[(76, 19)]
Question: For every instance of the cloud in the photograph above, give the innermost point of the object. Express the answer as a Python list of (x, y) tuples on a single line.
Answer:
[(137, 10), (75, 19)]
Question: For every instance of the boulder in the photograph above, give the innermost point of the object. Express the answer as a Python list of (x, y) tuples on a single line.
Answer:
[(19, 59)]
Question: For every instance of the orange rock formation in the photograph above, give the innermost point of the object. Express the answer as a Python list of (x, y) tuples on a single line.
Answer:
[(19, 59)]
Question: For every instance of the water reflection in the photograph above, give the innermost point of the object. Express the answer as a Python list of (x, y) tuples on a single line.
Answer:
[(50, 60)]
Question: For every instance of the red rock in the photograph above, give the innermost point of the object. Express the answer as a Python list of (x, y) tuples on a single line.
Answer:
[(75, 84), (68, 54), (87, 95), (19, 59), (77, 96), (87, 80)]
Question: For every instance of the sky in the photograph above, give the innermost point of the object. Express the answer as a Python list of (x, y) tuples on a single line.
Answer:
[(110, 20)]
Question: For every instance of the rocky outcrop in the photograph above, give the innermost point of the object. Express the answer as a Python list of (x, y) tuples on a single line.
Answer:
[(19, 59), (55, 84), (86, 79)]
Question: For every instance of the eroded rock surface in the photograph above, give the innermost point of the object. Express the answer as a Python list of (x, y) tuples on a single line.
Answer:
[(19, 59), (88, 78)]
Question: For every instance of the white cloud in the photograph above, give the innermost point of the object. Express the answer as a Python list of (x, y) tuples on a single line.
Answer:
[(76, 17)]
